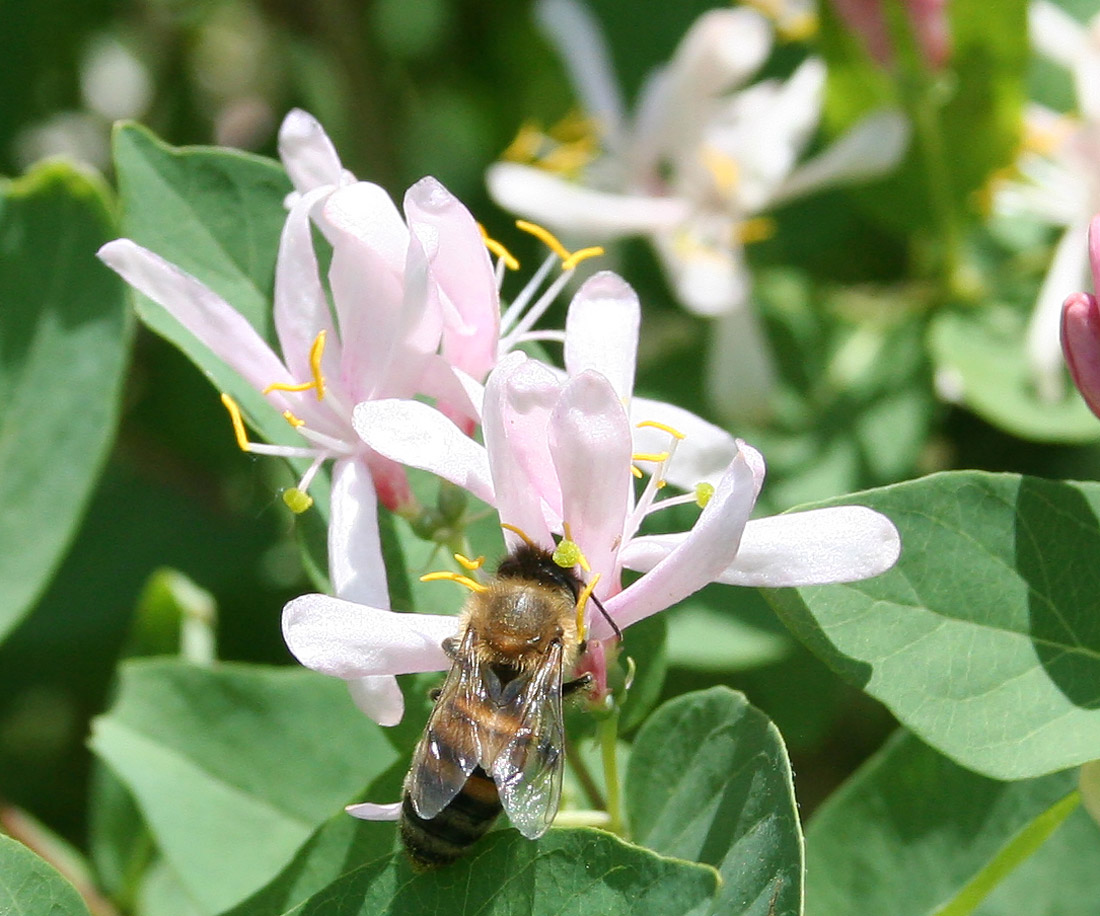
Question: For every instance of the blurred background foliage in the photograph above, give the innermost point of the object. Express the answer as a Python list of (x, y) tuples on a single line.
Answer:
[(413, 87)]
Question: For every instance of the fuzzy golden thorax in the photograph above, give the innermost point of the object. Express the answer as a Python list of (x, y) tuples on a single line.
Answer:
[(517, 620)]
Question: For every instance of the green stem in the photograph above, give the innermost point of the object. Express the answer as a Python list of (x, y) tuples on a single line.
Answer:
[(609, 739), (584, 777)]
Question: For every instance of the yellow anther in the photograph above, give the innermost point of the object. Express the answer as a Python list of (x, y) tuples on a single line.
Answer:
[(581, 255), (703, 492), (526, 145), (757, 229), (545, 236), (664, 427), (662, 483), (465, 581), (238, 423), (280, 386), (499, 250), (582, 601), (636, 471), (650, 456), (569, 554), (799, 28), (297, 501), (316, 351), (575, 127), (569, 159), (293, 420), (518, 531), (723, 169), (468, 563)]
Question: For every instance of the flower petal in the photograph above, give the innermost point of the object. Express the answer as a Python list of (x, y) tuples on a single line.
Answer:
[(580, 42), (519, 395), (569, 207), (701, 557), (301, 309), (379, 698), (307, 153), (705, 267), (356, 566), (368, 811), (201, 311), (740, 371), (590, 443), (417, 435), (1081, 343), (868, 149), (1056, 34), (462, 268), (601, 331), (1068, 270), (348, 640)]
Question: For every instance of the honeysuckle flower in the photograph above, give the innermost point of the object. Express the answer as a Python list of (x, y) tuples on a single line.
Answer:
[(927, 18), (1081, 330), (1058, 180), (559, 464), (697, 165)]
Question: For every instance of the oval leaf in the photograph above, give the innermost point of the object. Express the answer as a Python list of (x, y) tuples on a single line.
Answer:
[(911, 830), (985, 638), (709, 781), (64, 340), (31, 887), (234, 768)]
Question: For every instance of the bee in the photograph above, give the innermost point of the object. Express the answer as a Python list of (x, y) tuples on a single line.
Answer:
[(495, 737)]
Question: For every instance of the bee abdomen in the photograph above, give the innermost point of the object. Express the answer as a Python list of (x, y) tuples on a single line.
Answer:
[(437, 841)]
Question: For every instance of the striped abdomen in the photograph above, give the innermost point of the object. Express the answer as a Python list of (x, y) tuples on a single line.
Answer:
[(449, 835)]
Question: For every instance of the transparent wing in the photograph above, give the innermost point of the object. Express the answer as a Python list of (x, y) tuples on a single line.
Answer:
[(528, 768), (450, 748)]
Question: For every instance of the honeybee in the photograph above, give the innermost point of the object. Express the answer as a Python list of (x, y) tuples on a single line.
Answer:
[(495, 737)]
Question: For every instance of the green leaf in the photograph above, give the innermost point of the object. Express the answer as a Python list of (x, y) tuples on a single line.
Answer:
[(914, 834), (985, 638), (709, 781), (567, 872), (217, 214), (982, 353), (31, 887), (64, 342), (233, 768)]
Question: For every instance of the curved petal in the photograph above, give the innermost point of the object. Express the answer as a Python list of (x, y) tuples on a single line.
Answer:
[(580, 42), (307, 153), (1068, 270), (350, 641), (201, 311), (1056, 34), (1081, 344), (702, 456), (705, 267), (379, 698), (701, 557), (519, 395), (356, 566), (415, 434), (868, 149), (368, 811), (591, 446), (463, 270), (740, 371), (301, 309), (601, 331), (566, 206)]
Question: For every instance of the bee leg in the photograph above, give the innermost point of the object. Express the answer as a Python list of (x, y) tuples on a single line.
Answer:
[(450, 647), (584, 682)]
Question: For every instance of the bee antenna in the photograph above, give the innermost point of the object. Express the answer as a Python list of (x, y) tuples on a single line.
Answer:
[(606, 616)]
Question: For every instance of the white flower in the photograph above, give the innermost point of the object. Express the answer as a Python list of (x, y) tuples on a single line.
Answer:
[(1059, 181)]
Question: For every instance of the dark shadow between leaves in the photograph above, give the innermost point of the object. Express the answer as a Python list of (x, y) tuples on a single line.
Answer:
[(1058, 555)]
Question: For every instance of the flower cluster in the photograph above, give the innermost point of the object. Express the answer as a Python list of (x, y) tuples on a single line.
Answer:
[(415, 358)]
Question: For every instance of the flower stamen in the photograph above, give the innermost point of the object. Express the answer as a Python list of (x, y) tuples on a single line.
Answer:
[(469, 564), (664, 427), (462, 580), (757, 229), (316, 351), (238, 423), (293, 420), (569, 260), (498, 249), (582, 602), (519, 532)]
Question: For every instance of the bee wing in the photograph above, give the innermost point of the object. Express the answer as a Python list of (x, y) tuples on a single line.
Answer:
[(528, 768), (450, 748)]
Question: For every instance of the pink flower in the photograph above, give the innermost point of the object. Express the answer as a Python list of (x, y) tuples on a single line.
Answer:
[(1081, 330), (558, 461)]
